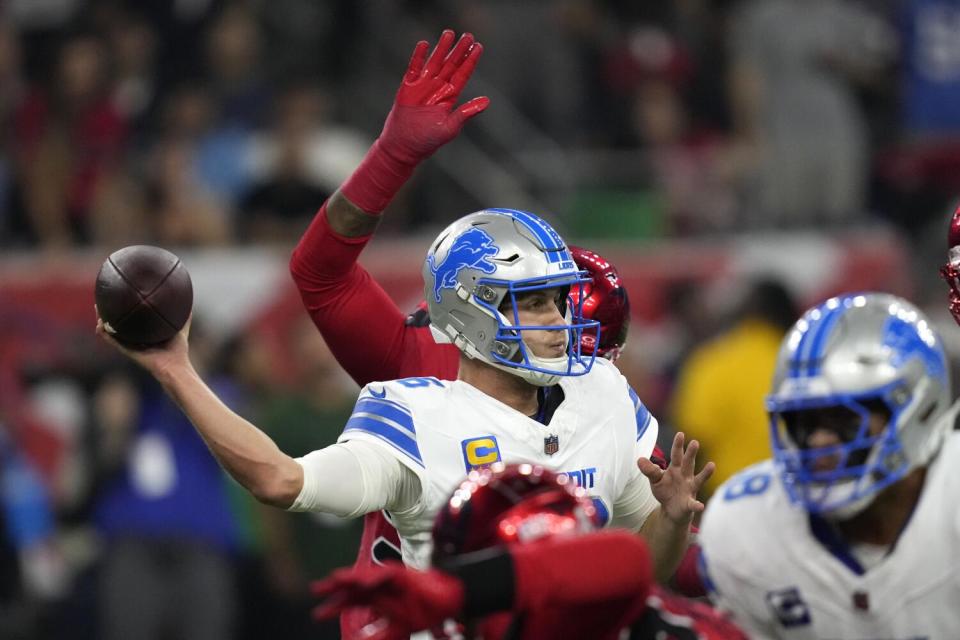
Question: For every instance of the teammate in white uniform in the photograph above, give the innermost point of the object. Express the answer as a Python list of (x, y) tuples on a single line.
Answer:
[(496, 284), (850, 531)]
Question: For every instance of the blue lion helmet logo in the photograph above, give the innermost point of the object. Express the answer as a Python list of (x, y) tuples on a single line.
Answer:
[(472, 249)]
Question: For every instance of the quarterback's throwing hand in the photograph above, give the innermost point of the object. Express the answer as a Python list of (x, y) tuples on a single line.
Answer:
[(155, 359), (677, 486), (424, 116)]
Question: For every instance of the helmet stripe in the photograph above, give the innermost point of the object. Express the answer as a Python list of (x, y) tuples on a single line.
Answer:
[(555, 248), (820, 322), (827, 322), (797, 361)]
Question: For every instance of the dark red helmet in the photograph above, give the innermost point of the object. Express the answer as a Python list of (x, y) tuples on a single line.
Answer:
[(503, 505), (605, 300), (951, 270)]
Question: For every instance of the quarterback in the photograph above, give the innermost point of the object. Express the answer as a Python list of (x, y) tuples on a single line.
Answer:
[(497, 287), (369, 335), (847, 532)]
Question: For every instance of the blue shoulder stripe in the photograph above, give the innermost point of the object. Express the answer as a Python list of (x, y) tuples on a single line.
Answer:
[(391, 410), (388, 421), (644, 417), (388, 434)]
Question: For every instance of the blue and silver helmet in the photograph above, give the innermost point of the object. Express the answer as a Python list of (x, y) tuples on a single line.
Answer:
[(856, 360), (473, 275)]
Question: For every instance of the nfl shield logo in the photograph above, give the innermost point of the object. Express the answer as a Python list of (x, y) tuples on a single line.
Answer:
[(551, 444)]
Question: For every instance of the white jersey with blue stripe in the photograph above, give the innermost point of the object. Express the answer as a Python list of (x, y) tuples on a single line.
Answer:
[(785, 575), (441, 430)]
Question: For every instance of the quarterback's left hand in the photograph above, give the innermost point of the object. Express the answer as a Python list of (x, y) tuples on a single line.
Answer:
[(676, 487)]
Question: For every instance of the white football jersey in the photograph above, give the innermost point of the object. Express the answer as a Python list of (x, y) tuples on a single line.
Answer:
[(441, 430), (764, 561)]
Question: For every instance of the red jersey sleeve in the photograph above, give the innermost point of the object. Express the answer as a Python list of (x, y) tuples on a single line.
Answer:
[(363, 326)]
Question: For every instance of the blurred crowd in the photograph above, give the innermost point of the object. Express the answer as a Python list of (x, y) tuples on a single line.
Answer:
[(123, 525), (211, 123)]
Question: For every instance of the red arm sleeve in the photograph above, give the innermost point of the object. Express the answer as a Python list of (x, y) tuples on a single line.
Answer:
[(363, 326), (601, 567)]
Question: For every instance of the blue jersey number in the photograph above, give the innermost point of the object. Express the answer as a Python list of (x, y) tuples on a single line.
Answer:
[(747, 485), (416, 383)]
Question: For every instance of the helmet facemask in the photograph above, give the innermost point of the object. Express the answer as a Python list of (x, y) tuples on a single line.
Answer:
[(512, 350), (837, 479)]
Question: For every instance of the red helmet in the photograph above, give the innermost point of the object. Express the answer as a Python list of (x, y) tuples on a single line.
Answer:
[(605, 300), (508, 504), (951, 270)]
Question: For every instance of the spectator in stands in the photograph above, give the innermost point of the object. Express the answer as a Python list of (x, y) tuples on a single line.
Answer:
[(721, 386), (167, 526), (69, 138), (795, 66), (31, 569), (280, 205), (185, 209)]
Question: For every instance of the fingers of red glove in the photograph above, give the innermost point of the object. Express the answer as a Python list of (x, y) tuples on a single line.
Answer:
[(351, 580), (469, 109), (439, 54), (416, 61), (464, 71), (323, 588), (445, 95), (456, 57), (329, 609)]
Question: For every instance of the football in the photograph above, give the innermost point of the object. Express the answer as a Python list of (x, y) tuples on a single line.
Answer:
[(144, 295)]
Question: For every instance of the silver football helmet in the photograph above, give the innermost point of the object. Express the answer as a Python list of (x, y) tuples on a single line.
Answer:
[(850, 357), (473, 274)]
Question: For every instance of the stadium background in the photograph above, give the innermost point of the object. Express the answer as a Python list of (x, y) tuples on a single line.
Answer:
[(703, 146)]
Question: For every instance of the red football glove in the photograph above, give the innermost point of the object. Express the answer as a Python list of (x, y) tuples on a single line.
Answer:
[(422, 120), (405, 599), (423, 117)]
